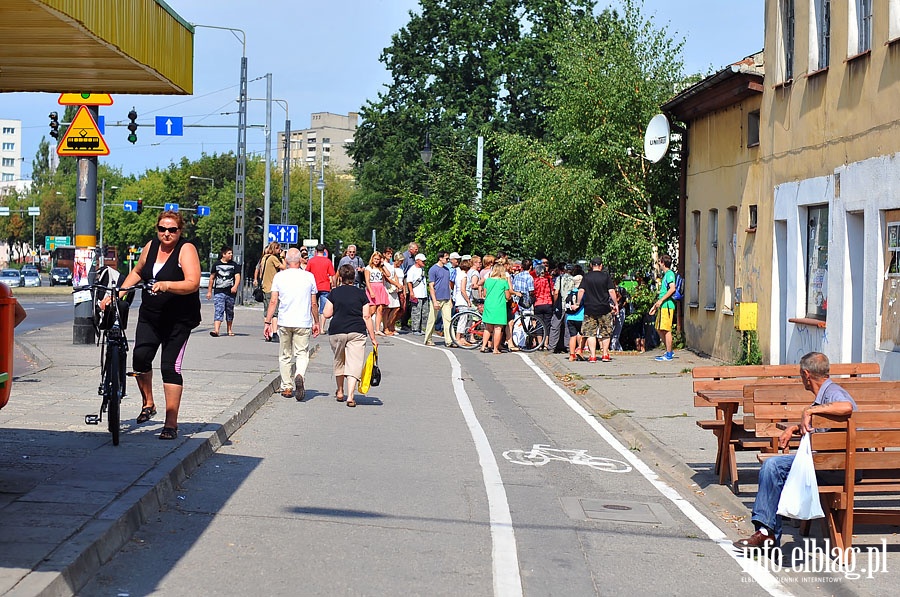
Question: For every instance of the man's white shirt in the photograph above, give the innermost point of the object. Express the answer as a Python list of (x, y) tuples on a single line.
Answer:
[(296, 290)]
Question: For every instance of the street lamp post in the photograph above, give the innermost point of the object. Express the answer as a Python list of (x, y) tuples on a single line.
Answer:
[(426, 155), (321, 186), (312, 164)]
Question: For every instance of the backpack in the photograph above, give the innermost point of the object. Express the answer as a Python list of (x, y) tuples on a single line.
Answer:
[(571, 298), (679, 288)]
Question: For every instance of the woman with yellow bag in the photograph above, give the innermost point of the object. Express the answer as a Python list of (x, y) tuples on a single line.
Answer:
[(351, 320)]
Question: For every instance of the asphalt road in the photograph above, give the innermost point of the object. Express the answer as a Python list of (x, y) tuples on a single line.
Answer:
[(416, 491)]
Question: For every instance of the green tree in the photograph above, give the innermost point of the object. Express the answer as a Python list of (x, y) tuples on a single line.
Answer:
[(582, 190), (460, 69)]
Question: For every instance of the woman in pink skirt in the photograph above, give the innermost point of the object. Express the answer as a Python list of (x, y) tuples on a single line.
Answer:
[(376, 275)]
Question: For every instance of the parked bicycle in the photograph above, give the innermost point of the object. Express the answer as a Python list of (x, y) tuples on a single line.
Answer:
[(529, 332), (111, 325), (467, 326)]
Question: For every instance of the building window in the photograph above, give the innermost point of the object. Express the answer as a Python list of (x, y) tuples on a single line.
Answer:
[(694, 274), (785, 29), (730, 259), (712, 260), (8, 177), (326, 140), (752, 222), (819, 34), (890, 298), (753, 129), (9, 147), (817, 262), (893, 19), (9, 162), (859, 30), (8, 130)]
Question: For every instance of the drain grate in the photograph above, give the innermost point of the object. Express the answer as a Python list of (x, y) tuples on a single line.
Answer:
[(615, 511)]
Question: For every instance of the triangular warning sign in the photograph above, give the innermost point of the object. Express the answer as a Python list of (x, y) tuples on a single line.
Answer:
[(85, 99), (82, 137)]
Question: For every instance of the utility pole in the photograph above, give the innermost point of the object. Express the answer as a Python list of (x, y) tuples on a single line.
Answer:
[(268, 184), (286, 169), (85, 238)]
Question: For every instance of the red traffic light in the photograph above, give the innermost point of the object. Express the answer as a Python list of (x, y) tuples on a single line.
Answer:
[(140, 205)]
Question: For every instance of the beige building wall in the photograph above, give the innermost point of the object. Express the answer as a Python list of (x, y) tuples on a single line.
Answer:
[(831, 140), (324, 142)]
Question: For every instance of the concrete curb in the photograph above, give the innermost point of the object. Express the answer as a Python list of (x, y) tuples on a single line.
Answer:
[(664, 461), (73, 564)]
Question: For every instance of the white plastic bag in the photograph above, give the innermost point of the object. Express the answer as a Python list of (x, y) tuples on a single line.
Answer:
[(800, 495)]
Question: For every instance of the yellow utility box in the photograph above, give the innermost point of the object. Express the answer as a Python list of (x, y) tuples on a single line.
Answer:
[(745, 317)]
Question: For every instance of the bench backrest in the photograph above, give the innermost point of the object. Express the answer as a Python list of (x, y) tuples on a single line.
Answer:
[(839, 448), (773, 404), (735, 377)]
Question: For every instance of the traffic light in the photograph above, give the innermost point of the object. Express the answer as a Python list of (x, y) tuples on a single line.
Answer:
[(258, 218), (132, 126), (140, 206), (54, 125)]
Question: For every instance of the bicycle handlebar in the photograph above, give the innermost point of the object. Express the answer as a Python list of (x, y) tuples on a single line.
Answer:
[(95, 286)]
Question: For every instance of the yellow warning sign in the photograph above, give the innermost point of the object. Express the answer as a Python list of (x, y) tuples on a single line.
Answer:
[(85, 99), (82, 137)]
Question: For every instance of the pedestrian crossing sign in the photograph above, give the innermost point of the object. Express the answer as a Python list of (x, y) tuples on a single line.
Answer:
[(83, 137), (85, 99)]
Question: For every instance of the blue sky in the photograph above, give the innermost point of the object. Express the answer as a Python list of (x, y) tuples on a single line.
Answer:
[(323, 57)]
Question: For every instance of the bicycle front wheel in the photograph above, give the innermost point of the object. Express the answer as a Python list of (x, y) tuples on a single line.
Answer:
[(115, 369), (529, 333), (467, 329)]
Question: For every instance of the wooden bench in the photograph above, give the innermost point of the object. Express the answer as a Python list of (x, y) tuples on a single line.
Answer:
[(867, 441), (730, 381)]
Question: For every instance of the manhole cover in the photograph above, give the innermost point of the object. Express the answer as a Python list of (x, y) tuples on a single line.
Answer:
[(615, 511)]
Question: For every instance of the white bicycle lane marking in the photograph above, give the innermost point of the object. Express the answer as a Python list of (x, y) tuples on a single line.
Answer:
[(504, 554), (539, 455), (763, 577)]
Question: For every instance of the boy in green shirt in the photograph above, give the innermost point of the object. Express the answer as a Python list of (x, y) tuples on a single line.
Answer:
[(664, 307)]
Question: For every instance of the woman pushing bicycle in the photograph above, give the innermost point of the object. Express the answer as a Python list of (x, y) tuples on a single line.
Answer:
[(170, 309)]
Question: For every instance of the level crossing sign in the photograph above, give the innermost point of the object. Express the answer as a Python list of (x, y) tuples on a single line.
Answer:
[(85, 99), (83, 137)]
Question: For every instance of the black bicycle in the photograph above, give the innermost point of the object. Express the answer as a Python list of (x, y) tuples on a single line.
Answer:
[(111, 324)]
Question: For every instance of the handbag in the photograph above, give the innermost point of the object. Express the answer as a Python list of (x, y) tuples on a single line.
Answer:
[(371, 374), (800, 495), (258, 294)]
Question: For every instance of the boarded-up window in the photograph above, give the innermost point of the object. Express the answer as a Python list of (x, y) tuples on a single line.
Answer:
[(890, 299)]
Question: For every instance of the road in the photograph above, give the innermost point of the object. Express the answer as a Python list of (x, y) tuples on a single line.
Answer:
[(416, 491)]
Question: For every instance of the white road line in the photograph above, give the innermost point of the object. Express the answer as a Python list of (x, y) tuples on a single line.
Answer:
[(505, 557), (762, 576)]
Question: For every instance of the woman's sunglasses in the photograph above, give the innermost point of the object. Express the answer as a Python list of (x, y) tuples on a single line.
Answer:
[(171, 230)]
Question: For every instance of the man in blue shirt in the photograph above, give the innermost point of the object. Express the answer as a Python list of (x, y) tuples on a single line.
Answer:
[(830, 399), (439, 291)]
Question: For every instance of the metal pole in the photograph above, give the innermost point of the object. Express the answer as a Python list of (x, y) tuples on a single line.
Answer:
[(322, 206), (85, 237), (241, 176), (311, 166), (286, 171), (102, 206), (268, 184)]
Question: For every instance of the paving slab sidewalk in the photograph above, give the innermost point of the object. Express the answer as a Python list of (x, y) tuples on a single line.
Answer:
[(68, 497)]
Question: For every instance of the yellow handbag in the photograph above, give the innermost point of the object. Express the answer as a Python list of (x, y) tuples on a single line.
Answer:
[(371, 374)]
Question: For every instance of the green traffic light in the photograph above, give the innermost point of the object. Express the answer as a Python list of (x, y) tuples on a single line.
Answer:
[(132, 137)]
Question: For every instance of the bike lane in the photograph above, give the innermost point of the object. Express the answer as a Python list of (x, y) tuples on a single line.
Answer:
[(589, 515)]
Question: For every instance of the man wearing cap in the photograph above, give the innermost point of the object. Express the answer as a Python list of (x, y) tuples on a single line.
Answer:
[(418, 295), (597, 293), (439, 292), (409, 260)]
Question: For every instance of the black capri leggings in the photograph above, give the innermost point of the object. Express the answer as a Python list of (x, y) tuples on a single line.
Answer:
[(147, 339)]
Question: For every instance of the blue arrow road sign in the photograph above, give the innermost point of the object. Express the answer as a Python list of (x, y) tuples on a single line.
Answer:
[(171, 207), (169, 126), (202, 210), (283, 233), (129, 206)]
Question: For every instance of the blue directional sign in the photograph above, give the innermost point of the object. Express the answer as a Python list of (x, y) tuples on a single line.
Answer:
[(129, 206), (101, 124), (169, 126), (283, 233), (171, 207), (202, 210)]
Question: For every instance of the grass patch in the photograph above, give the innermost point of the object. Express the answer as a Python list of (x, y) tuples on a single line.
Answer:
[(613, 413), (682, 415)]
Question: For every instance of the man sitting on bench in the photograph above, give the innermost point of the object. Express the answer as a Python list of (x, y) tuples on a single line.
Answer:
[(830, 399)]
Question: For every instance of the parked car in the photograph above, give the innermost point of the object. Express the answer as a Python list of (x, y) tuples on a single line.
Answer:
[(11, 277), (60, 275), (204, 280), (31, 277)]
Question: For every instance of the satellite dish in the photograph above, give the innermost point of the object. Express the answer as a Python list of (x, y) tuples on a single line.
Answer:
[(656, 139)]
